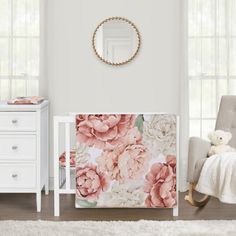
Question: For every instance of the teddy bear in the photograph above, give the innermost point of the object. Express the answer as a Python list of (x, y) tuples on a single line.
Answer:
[(219, 140)]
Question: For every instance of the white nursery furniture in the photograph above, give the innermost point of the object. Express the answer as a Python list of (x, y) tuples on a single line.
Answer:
[(64, 176), (24, 149)]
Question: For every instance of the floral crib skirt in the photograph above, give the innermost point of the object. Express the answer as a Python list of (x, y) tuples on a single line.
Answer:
[(126, 160)]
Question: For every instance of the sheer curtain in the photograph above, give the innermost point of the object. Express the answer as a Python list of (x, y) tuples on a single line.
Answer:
[(211, 60), (19, 48)]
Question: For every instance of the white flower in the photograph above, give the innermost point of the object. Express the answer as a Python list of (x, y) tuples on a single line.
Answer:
[(82, 155), (159, 134), (130, 194)]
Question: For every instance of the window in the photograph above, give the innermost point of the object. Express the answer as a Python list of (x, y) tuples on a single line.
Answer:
[(211, 60), (19, 48)]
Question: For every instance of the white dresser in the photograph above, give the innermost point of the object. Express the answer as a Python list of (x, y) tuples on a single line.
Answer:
[(24, 149)]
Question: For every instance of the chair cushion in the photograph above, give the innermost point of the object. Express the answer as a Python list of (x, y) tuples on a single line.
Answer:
[(198, 149), (198, 169), (226, 119)]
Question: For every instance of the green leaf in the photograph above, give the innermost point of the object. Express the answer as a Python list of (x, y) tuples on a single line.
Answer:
[(86, 204), (139, 123)]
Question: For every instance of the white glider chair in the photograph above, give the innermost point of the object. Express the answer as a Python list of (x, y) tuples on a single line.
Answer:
[(198, 148)]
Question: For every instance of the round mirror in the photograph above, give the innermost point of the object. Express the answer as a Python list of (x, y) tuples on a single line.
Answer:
[(116, 41)]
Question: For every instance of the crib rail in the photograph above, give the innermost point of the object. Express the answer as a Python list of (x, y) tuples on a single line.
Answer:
[(65, 121)]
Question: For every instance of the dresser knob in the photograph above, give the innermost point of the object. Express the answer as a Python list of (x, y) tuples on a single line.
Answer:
[(14, 147), (14, 121), (14, 175)]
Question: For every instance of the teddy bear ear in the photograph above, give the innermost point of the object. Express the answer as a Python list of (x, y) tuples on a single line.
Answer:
[(210, 135)]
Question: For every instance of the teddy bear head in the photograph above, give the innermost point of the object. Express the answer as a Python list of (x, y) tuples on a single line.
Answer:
[(219, 137)]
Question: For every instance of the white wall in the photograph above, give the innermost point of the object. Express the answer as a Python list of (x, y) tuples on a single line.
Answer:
[(78, 81)]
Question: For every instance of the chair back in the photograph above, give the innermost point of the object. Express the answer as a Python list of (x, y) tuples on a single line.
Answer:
[(226, 119)]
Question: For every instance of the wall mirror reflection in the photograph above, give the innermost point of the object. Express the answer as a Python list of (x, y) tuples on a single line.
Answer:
[(116, 41)]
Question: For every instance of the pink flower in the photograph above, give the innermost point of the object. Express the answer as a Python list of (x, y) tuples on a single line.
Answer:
[(133, 162), (62, 159), (108, 163), (103, 131), (127, 161), (171, 160), (90, 182), (133, 136), (161, 184)]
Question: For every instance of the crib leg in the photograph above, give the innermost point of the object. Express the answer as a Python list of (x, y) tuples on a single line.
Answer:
[(176, 211), (56, 190), (46, 187), (190, 199), (38, 201), (56, 170), (56, 204)]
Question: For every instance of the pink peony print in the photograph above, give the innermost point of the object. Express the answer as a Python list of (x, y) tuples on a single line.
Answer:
[(90, 182), (103, 131), (126, 162), (62, 159), (133, 136), (161, 184), (171, 160), (108, 163), (133, 162)]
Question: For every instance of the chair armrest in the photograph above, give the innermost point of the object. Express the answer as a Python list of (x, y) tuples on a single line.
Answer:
[(198, 149)]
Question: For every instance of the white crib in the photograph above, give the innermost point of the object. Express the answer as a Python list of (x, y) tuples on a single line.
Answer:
[(64, 177)]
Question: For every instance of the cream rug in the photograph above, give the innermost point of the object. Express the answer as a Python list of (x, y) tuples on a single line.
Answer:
[(118, 228)]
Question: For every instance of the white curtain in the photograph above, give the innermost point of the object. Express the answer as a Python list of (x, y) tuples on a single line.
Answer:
[(211, 60), (211, 67), (19, 48)]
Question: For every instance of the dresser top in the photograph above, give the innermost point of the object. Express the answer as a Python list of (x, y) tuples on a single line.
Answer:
[(6, 107)]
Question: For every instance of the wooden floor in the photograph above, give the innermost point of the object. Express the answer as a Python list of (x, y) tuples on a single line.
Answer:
[(22, 207)]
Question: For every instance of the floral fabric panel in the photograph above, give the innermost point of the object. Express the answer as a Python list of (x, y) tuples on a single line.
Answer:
[(126, 160)]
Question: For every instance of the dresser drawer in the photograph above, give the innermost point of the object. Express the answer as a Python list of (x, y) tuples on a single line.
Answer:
[(17, 121), (17, 175), (17, 147)]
